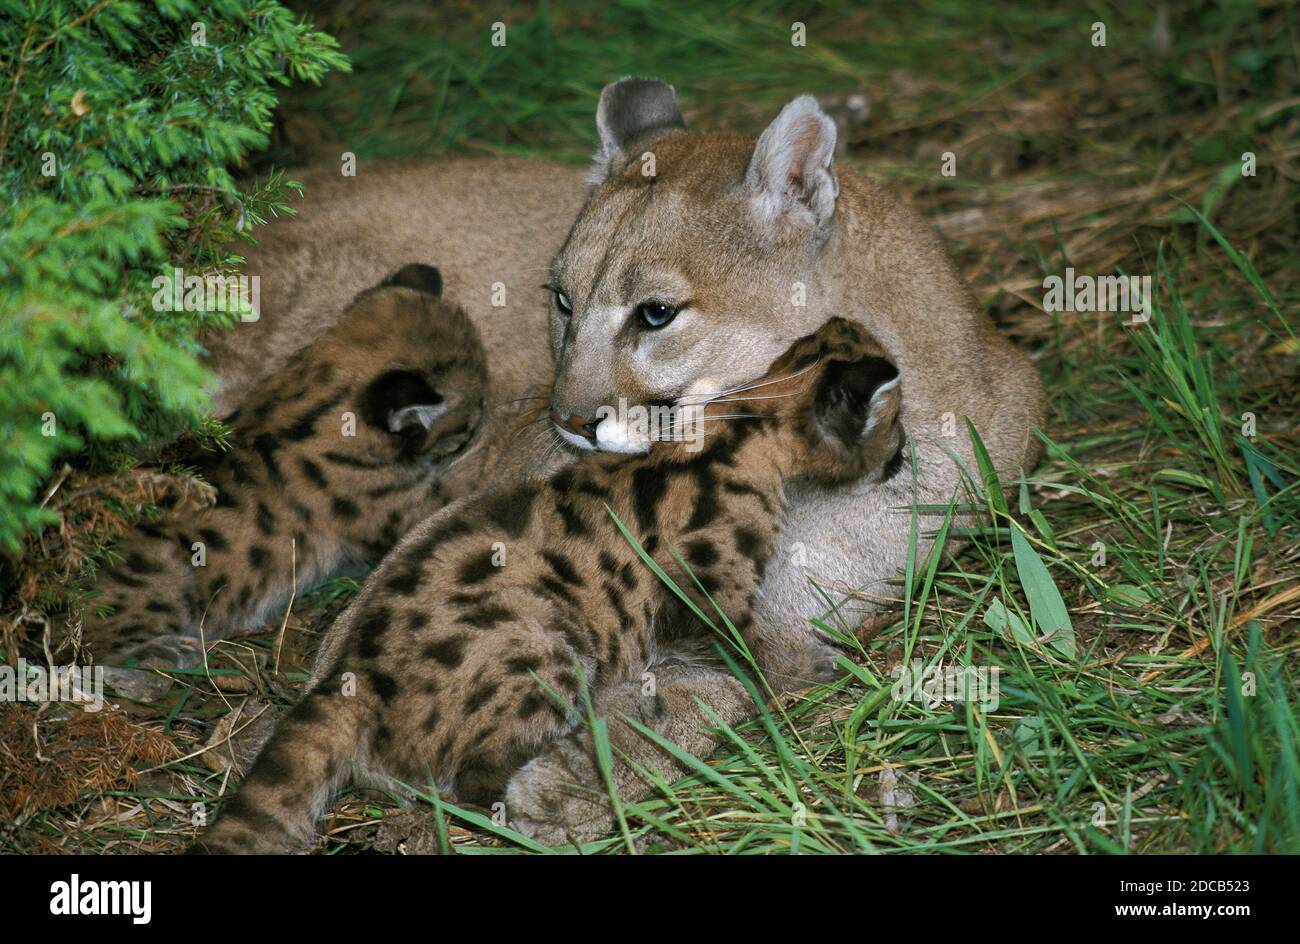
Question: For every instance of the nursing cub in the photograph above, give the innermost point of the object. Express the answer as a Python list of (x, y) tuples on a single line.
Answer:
[(467, 651), (332, 460)]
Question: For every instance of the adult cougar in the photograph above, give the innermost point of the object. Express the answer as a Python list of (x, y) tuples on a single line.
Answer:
[(695, 259)]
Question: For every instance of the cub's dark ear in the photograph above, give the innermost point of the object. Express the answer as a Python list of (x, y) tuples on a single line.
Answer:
[(857, 400), (417, 275), (630, 109), (401, 400)]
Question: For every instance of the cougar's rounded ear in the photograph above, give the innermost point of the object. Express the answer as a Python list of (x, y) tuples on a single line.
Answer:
[(402, 400), (857, 399), (631, 108), (417, 275), (790, 178)]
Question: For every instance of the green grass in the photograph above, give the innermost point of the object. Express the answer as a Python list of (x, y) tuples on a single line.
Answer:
[(1139, 592)]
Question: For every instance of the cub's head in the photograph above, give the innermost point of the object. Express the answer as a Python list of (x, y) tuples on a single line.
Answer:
[(836, 399), (696, 260), (412, 366)]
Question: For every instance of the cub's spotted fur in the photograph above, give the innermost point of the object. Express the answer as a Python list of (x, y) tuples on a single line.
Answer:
[(456, 666), (332, 460)]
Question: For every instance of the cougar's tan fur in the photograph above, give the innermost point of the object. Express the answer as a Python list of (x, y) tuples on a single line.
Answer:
[(729, 228)]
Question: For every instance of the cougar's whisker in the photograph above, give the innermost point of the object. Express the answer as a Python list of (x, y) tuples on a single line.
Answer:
[(725, 416), (765, 396), (525, 424), (755, 385)]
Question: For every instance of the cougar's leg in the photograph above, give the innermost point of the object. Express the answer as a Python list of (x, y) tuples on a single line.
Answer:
[(559, 797)]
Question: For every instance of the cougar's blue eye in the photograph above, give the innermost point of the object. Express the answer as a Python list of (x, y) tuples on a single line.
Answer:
[(562, 302), (654, 315)]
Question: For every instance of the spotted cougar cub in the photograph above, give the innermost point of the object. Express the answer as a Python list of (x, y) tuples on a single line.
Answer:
[(332, 460), (465, 653)]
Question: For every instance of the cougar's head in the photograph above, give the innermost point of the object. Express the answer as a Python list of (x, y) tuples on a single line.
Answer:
[(696, 260)]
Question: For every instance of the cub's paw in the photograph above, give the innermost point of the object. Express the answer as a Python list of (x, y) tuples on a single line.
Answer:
[(208, 847), (556, 799), (813, 663), (169, 652), (237, 845), (162, 652), (237, 739), (136, 684)]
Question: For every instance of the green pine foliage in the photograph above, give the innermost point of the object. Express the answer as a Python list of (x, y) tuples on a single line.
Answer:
[(123, 126)]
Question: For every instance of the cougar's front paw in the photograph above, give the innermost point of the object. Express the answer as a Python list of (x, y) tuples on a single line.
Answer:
[(814, 663), (556, 799)]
